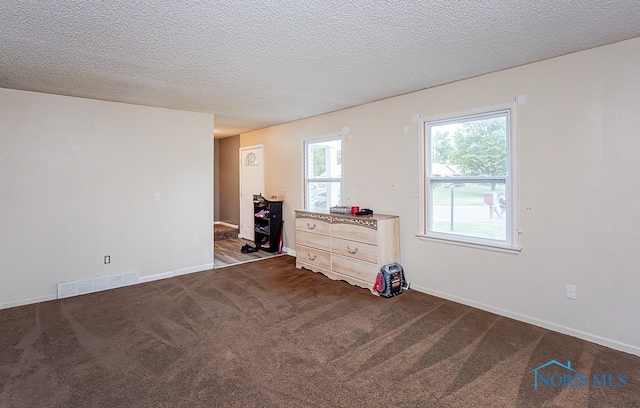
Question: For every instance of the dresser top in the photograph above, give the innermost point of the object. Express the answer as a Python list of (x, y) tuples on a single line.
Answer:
[(377, 217)]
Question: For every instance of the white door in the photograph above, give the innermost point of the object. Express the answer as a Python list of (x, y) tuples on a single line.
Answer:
[(251, 182)]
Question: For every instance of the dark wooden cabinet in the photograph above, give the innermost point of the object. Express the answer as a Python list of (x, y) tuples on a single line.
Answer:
[(267, 224)]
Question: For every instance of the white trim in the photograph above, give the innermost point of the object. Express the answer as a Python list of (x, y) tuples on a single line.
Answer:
[(339, 135), (123, 281), (192, 269), (512, 240), (226, 224), (30, 301), (325, 136), (256, 146), (157, 276), (422, 160), (289, 251), (514, 196), (467, 112), (616, 345), (470, 244), (96, 284)]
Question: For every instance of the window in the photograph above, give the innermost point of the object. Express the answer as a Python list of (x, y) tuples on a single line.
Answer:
[(323, 172), (251, 160), (468, 184)]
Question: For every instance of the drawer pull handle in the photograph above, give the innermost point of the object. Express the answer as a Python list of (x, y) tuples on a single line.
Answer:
[(312, 258), (352, 251), (310, 227)]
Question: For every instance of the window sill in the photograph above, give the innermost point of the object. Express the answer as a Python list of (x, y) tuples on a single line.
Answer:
[(477, 245)]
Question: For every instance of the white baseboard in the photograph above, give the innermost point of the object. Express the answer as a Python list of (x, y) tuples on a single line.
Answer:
[(193, 269), (30, 301), (226, 224), (616, 345), (157, 276), (289, 251), (96, 284), (100, 283)]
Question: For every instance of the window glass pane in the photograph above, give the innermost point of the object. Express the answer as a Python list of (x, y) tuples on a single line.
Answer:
[(475, 146), (323, 195), (471, 209), (251, 160), (324, 159)]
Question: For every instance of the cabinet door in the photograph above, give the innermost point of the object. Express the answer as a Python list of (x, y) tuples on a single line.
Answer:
[(275, 225)]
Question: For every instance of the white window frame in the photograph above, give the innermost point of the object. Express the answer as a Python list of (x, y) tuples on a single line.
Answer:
[(305, 161), (511, 243)]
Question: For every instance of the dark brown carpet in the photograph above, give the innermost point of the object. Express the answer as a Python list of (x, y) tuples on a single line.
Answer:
[(265, 334)]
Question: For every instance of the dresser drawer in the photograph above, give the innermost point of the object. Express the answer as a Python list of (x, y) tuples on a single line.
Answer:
[(356, 268), (313, 256), (313, 226), (358, 250), (354, 232), (309, 239)]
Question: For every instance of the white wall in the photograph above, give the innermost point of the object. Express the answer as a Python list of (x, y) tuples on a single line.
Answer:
[(579, 162), (77, 179)]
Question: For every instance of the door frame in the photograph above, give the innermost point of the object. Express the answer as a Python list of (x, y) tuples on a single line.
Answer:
[(241, 164)]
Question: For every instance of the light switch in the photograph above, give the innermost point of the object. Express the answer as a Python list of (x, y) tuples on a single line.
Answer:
[(156, 197)]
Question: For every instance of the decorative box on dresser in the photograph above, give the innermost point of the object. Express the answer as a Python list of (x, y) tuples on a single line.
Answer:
[(346, 247)]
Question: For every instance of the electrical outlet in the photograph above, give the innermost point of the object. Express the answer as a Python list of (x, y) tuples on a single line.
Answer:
[(571, 292), (107, 259), (283, 194)]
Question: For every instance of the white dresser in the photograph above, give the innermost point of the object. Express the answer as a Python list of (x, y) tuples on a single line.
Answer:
[(345, 247)]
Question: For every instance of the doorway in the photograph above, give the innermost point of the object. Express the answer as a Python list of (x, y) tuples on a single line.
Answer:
[(228, 169)]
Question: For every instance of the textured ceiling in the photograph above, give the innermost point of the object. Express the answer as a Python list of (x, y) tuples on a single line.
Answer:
[(259, 63)]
